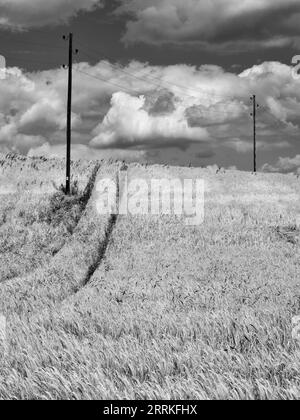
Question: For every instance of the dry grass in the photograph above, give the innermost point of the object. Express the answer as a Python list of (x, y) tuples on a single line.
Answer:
[(35, 223), (172, 311), (68, 270)]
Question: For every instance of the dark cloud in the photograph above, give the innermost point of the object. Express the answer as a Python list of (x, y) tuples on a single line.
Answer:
[(25, 14), (226, 25), (164, 104)]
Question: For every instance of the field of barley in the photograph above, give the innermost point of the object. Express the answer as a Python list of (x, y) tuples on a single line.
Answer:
[(146, 307)]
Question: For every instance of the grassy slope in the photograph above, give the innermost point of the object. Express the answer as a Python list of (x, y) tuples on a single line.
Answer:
[(67, 270), (35, 219), (174, 311)]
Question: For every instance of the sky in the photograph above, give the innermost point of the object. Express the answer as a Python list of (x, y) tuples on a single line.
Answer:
[(158, 81)]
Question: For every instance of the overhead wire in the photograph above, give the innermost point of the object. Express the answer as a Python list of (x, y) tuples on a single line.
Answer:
[(150, 78), (132, 90), (144, 80)]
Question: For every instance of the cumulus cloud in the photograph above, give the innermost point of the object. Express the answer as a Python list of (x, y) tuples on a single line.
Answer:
[(24, 14), (233, 24), (158, 113), (284, 164), (127, 123)]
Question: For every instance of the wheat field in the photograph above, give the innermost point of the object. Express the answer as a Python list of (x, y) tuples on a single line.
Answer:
[(145, 307)]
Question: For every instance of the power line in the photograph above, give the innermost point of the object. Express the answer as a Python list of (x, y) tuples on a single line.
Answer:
[(129, 90), (151, 80), (144, 80), (172, 84), (274, 118), (132, 90), (161, 86), (126, 89)]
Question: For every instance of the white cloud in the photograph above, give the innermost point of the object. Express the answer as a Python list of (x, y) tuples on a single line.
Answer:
[(23, 14), (128, 123), (174, 106), (284, 164), (233, 24)]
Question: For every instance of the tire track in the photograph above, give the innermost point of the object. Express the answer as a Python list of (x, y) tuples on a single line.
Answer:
[(102, 249), (83, 199), (103, 245), (70, 269)]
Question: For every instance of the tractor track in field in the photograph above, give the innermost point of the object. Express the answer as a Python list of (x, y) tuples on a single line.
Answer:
[(84, 199), (71, 269), (102, 249), (89, 189), (103, 245)]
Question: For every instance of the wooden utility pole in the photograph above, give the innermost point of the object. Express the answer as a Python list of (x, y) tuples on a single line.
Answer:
[(69, 115), (253, 114)]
